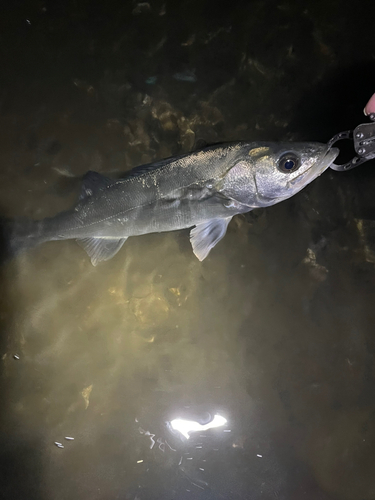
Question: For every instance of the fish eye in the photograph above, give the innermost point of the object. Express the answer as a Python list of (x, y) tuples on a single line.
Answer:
[(288, 163)]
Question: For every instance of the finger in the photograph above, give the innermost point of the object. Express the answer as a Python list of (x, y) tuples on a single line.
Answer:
[(370, 106)]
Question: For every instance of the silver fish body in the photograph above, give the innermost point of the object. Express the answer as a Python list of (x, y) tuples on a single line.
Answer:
[(204, 189)]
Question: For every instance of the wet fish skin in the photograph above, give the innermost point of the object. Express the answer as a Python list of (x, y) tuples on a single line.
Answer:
[(204, 189)]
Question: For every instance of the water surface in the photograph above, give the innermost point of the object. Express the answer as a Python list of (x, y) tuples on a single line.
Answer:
[(273, 331)]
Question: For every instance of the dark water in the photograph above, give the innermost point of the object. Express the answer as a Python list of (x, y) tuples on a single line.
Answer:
[(274, 331)]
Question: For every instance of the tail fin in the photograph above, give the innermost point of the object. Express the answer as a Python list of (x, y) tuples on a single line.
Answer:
[(17, 235)]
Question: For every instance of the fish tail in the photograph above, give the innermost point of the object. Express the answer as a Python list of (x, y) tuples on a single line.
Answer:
[(18, 235)]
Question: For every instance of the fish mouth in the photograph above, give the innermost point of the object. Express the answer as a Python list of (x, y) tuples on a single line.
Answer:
[(316, 169), (328, 159)]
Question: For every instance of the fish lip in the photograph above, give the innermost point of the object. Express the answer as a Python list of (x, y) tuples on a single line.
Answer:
[(317, 169), (331, 155)]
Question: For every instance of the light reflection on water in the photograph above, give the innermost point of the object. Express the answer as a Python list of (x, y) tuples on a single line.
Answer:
[(273, 332), (108, 355), (185, 427)]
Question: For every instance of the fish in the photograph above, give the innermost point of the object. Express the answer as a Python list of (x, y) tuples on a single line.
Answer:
[(202, 190)]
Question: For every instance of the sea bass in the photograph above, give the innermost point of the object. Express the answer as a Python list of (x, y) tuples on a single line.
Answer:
[(203, 189)]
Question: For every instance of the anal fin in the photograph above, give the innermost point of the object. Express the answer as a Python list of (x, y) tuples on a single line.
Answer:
[(205, 236), (101, 249)]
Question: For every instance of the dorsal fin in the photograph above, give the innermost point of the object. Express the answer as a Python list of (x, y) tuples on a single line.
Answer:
[(200, 144), (149, 167), (93, 182)]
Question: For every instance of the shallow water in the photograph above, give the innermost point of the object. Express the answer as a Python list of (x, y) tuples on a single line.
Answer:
[(273, 331)]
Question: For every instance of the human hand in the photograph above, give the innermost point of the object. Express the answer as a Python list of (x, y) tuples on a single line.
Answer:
[(370, 106)]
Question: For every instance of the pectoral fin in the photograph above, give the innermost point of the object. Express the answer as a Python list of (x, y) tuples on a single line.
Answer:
[(205, 236), (101, 249)]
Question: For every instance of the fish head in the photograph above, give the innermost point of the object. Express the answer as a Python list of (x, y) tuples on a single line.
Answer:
[(280, 170)]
